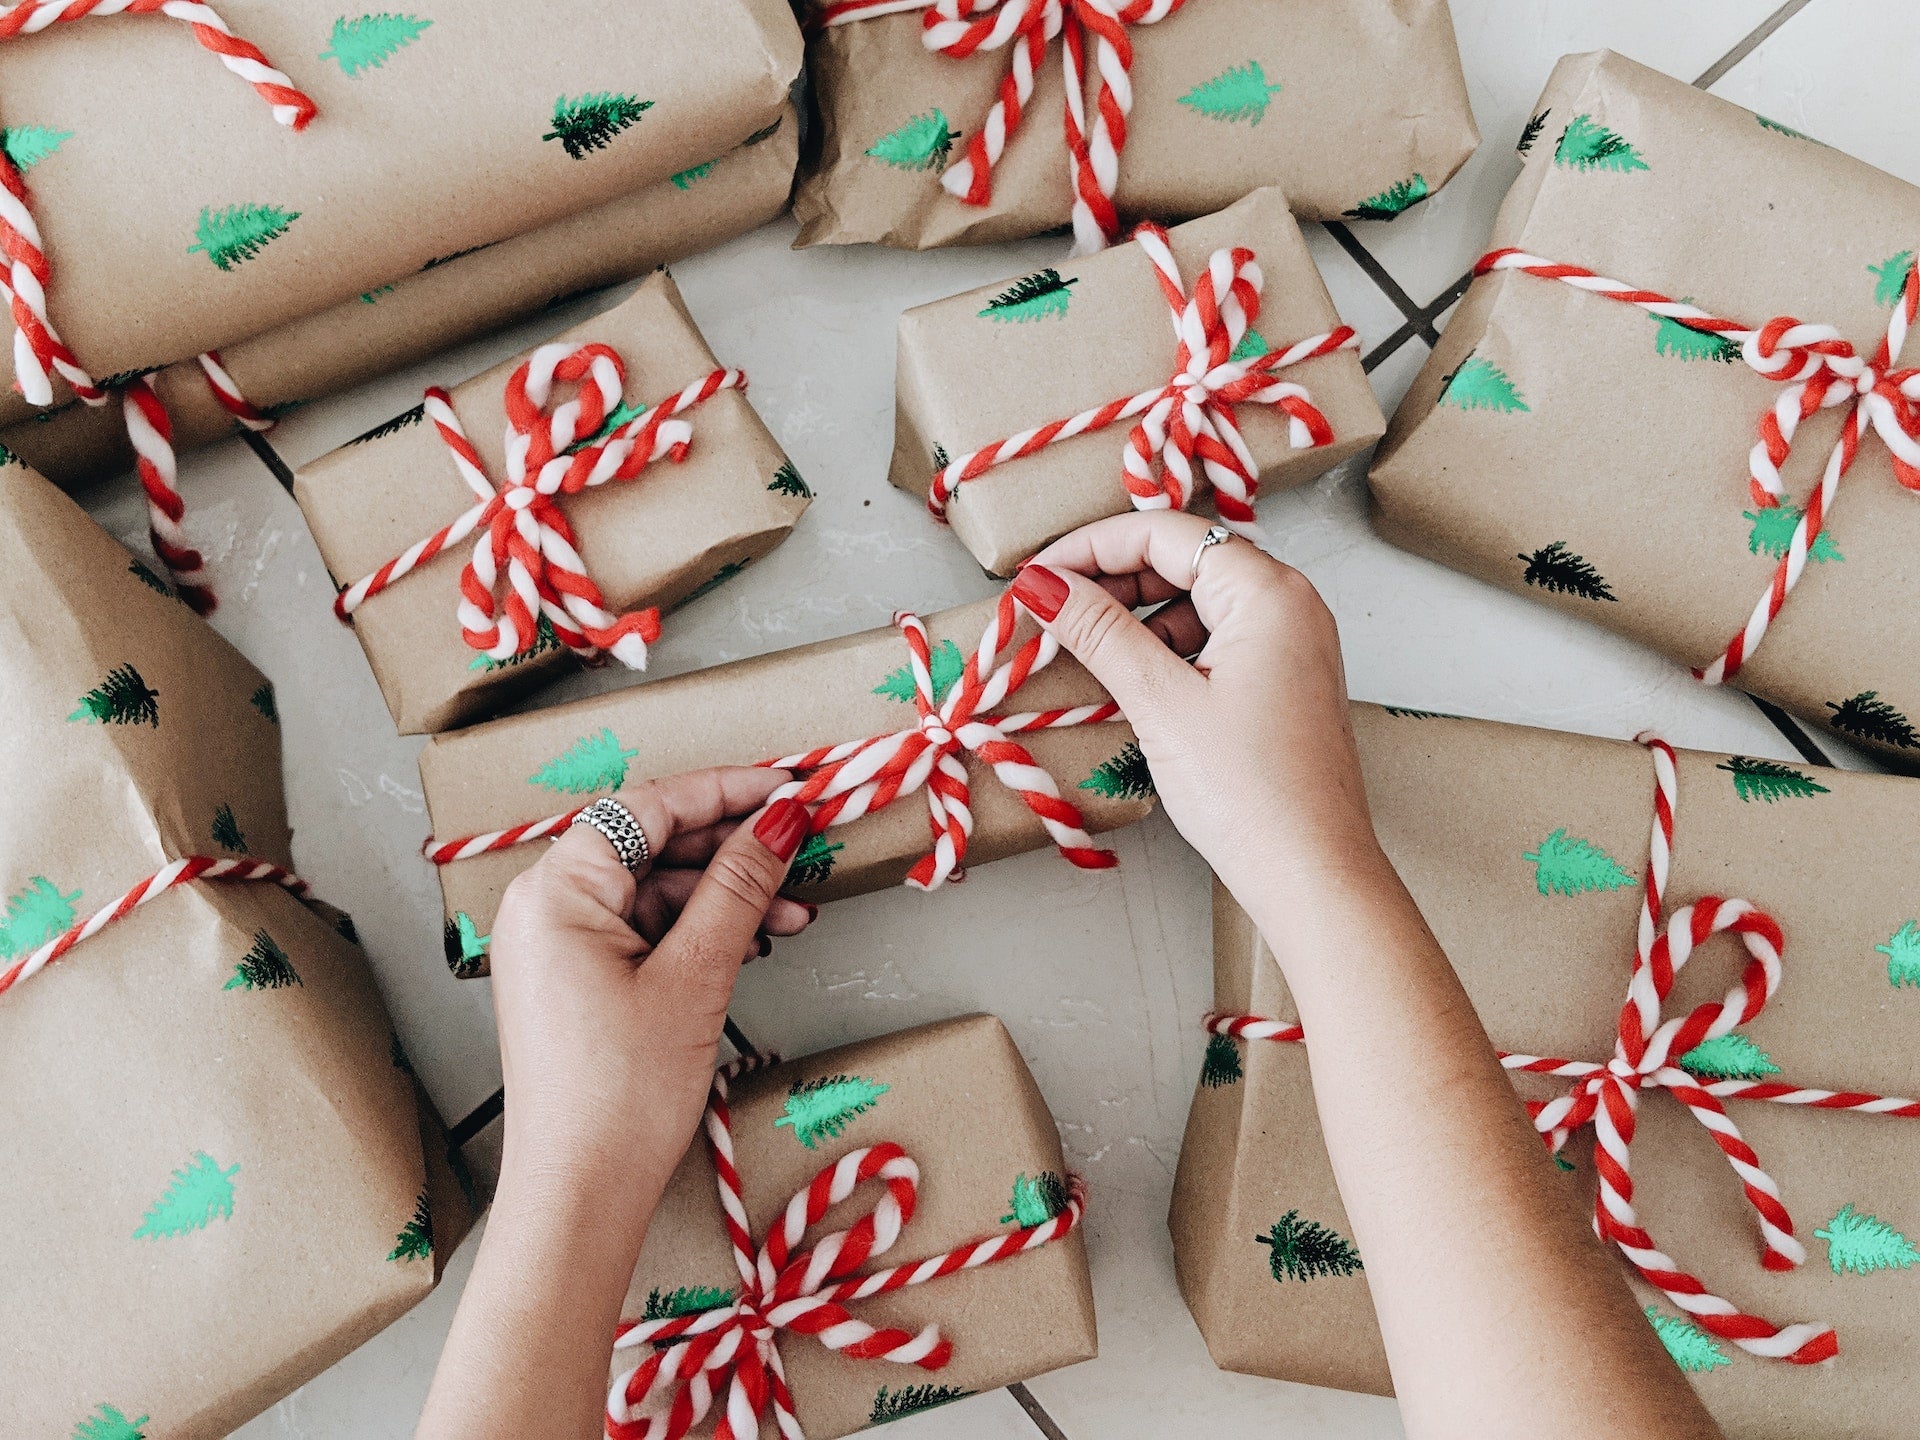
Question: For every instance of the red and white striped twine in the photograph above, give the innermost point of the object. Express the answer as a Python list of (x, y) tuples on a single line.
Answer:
[(1191, 416), (1607, 1094), (38, 351), (521, 525), (804, 1292), (1820, 370), (230, 396), (180, 872), (1024, 28)]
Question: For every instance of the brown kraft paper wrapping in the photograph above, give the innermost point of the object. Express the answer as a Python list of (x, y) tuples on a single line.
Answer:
[(1631, 453), (654, 540), (1353, 107), (438, 146), (967, 380), (450, 301), (960, 1100), (195, 1302), (490, 777), (1828, 857)]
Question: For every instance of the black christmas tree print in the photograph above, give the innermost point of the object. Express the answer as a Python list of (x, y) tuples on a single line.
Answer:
[(123, 698), (397, 1056), (1531, 132), (200, 1193), (451, 256), (1240, 92), (911, 1400), (787, 481), (940, 457), (364, 43), (1567, 865), (1032, 297), (415, 1240), (545, 641), (390, 427), (1307, 1250), (1405, 712), (1867, 717), (107, 1422), (1683, 342), (820, 1109), (227, 833), (1481, 385), (923, 143), (1692, 1349), (814, 862), (1903, 955), (1588, 145), (945, 665), (1859, 1244), (1221, 1065), (236, 233), (1769, 780), (1729, 1057), (465, 946), (1398, 197), (143, 572), (263, 701), (593, 762), (28, 145), (346, 929), (1771, 534), (590, 122), (1124, 777), (1890, 277), (264, 967), (34, 915), (1036, 1200), (684, 1300), (1557, 570)]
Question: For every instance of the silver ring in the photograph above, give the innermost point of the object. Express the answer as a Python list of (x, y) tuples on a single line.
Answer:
[(1216, 535), (616, 823)]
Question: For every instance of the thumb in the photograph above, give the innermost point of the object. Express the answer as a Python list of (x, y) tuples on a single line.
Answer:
[(719, 923), (1127, 659)]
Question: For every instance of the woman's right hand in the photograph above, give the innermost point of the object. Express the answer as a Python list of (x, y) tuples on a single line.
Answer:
[(1251, 745)]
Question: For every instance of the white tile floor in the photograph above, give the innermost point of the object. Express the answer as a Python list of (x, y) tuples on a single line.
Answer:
[(1108, 1024)]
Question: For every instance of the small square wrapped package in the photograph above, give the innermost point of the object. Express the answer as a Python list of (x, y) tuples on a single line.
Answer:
[(1532, 874), (671, 485), (1621, 420), (941, 1126), (221, 1177), (884, 732), (1353, 107), (1271, 392)]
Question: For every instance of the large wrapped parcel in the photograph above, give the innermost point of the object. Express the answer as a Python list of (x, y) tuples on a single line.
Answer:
[(221, 1177), (1530, 872), (1623, 419)]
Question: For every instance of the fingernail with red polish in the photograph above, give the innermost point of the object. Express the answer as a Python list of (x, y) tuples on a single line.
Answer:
[(781, 827), (1041, 590)]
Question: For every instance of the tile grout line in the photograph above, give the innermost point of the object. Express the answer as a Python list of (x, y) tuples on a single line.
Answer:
[(1036, 1412), (1760, 34), (1790, 728), (270, 458)]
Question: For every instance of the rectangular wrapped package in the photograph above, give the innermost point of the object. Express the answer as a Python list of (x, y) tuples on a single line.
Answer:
[(1622, 462), (220, 1176), (494, 789), (979, 372), (1353, 107), (1530, 875), (669, 530), (954, 1098), (427, 136), (452, 299)]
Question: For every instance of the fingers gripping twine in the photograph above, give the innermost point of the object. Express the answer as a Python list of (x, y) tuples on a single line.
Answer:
[(1191, 417)]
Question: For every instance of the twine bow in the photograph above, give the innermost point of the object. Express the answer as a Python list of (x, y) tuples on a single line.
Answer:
[(732, 1347), (1191, 417), (552, 450), (1024, 28), (1820, 370)]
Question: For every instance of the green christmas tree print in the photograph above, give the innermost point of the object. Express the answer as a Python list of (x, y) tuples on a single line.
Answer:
[(1531, 132), (787, 481), (593, 762), (1729, 1057), (398, 423), (1032, 297), (1567, 865), (1124, 777), (544, 642), (1692, 1349), (923, 143), (1221, 1066), (1481, 385), (814, 863), (720, 577), (1860, 1244), (1779, 129), (1890, 277), (227, 833), (820, 1109), (1036, 1200), (1902, 951), (1769, 780), (366, 42), (685, 179), (123, 698), (35, 915), (263, 701), (1400, 196), (200, 1193), (945, 665), (108, 1423), (1683, 342), (1588, 145), (1240, 92), (1559, 571), (264, 967), (465, 946), (684, 1300), (144, 574), (911, 1400), (1772, 535), (1307, 1250), (1251, 347), (372, 297), (415, 1240), (589, 122), (28, 145), (237, 233), (1867, 717)]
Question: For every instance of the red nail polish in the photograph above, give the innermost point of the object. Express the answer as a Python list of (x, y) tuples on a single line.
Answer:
[(782, 826), (1041, 590)]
